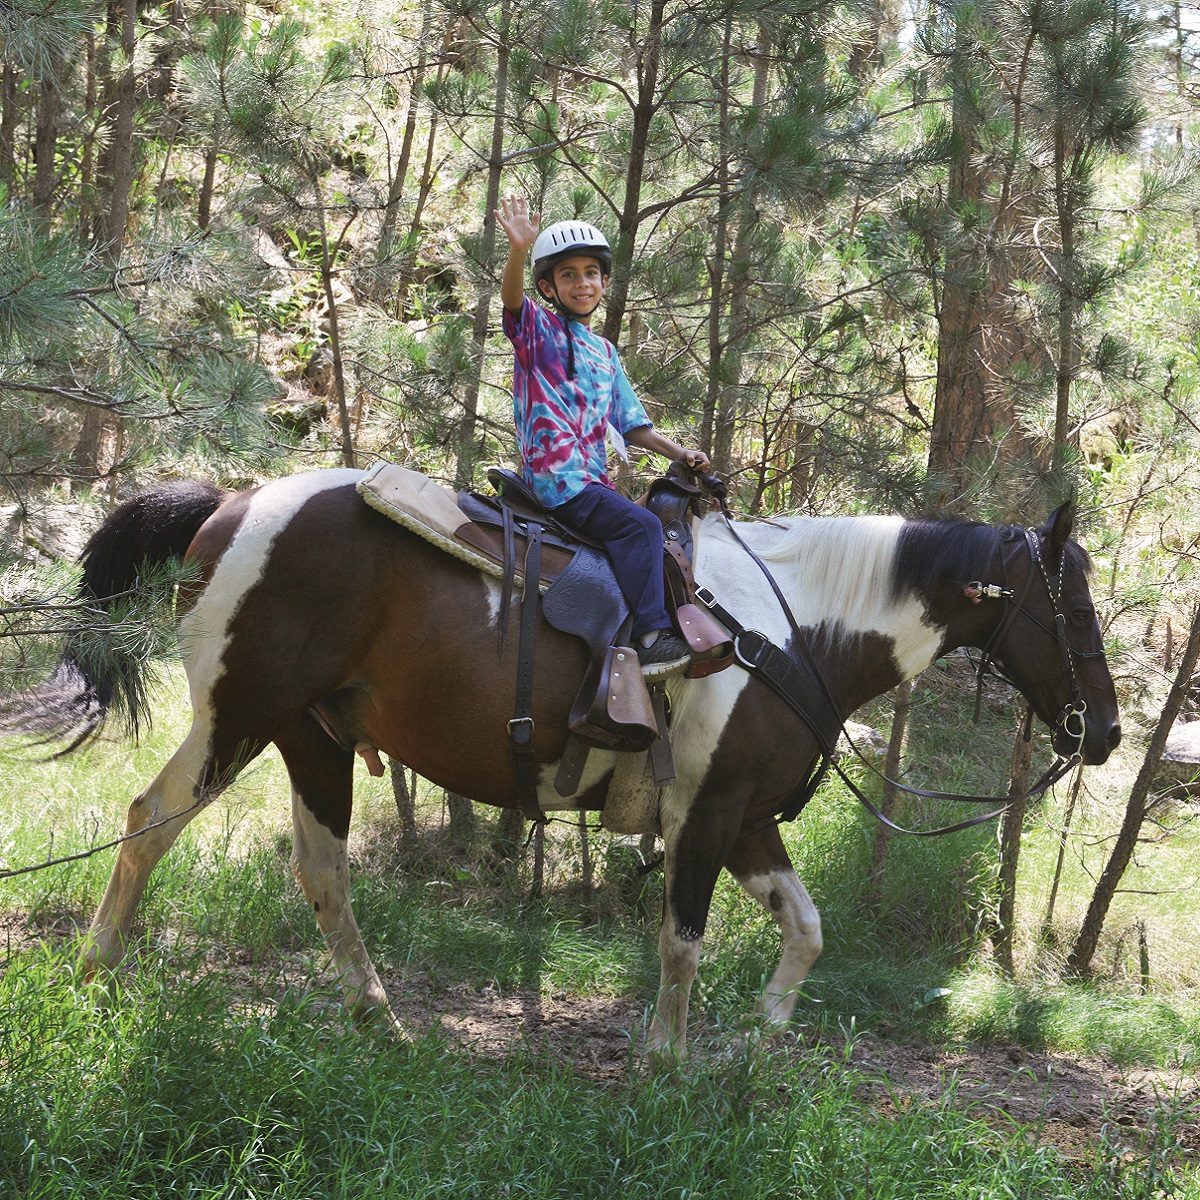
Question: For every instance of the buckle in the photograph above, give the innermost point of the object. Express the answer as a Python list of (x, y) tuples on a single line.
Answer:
[(705, 596), (749, 646), (520, 730)]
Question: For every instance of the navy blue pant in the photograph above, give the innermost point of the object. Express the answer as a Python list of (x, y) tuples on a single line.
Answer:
[(633, 537)]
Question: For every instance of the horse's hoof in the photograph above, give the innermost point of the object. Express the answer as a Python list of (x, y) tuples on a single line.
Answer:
[(664, 1059), (96, 982), (379, 1018)]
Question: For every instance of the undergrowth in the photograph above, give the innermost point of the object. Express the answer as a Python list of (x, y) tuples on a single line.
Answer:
[(223, 1072), (175, 1091)]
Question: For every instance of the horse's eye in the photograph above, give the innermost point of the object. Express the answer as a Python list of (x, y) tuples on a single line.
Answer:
[(1083, 614)]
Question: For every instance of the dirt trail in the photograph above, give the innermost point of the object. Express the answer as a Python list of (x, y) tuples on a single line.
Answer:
[(1067, 1102), (1070, 1102)]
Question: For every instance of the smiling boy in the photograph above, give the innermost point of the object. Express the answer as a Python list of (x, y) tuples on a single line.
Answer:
[(569, 390)]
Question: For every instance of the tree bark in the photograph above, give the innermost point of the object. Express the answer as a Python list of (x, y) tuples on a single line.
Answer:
[(644, 108), (87, 159), (391, 212), (980, 334), (46, 143), (405, 802), (335, 338), (889, 795), (1068, 301), (1063, 834), (1079, 961), (10, 111), (120, 102), (462, 818), (1011, 826), (207, 186), (507, 843), (467, 454), (716, 435)]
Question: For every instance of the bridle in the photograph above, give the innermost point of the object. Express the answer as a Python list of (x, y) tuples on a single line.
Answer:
[(793, 681), (1071, 719)]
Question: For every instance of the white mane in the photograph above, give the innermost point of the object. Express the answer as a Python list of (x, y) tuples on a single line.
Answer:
[(836, 573)]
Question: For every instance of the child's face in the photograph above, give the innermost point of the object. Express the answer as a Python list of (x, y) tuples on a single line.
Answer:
[(579, 283)]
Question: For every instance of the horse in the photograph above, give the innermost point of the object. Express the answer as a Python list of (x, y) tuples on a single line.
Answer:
[(302, 594)]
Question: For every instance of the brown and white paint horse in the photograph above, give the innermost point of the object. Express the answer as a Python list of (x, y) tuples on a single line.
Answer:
[(307, 593)]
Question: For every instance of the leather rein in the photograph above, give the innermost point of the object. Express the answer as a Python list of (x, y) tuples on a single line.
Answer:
[(796, 681)]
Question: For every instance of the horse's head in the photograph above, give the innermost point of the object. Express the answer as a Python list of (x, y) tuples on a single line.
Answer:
[(1048, 640)]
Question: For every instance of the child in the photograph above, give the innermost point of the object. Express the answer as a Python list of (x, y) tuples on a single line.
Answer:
[(568, 390)]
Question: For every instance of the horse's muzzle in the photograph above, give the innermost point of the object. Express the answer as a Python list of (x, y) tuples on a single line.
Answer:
[(1098, 743)]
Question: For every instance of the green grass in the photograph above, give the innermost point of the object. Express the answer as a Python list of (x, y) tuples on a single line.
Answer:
[(176, 1092), (224, 1071)]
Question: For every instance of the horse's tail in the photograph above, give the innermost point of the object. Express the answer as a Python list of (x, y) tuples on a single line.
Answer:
[(105, 667)]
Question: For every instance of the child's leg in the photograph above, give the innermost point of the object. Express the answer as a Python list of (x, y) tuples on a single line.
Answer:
[(633, 537)]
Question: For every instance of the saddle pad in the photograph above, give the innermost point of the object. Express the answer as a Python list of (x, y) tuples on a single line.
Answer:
[(426, 509)]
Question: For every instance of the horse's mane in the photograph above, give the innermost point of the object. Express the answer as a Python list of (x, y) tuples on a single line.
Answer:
[(838, 569), (851, 569), (932, 550)]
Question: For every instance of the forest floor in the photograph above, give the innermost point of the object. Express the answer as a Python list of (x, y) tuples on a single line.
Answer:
[(1070, 1100), (1066, 1101)]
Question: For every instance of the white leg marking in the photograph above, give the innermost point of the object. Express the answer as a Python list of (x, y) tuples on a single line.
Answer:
[(678, 951), (205, 634), (320, 863), (174, 790), (680, 959), (783, 895)]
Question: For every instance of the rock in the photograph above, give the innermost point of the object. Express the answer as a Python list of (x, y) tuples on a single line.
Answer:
[(1180, 764), (51, 531), (871, 744)]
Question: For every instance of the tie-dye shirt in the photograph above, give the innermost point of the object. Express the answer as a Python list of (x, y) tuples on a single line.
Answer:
[(562, 424)]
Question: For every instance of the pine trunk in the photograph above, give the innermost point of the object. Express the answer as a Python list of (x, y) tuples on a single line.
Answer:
[(45, 146), (405, 798), (207, 186), (1011, 826), (1079, 962), (391, 212), (116, 164), (716, 434), (467, 450), (889, 796), (644, 108), (10, 112)]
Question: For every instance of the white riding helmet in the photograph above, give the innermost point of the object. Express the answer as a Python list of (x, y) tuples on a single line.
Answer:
[(565, 238)]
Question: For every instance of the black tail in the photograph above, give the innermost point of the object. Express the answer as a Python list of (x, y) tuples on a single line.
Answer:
[(97, 671)]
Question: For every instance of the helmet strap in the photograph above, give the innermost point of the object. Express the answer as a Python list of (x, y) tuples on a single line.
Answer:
[(567, 318)]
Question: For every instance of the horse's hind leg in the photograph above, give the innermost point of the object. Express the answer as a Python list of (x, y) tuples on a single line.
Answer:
[(322, 781), (194, 775), (761, 865)]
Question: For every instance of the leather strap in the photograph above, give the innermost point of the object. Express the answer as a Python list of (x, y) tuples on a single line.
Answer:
[(662, 761), (520, 728), (509, 567), (570, 766)]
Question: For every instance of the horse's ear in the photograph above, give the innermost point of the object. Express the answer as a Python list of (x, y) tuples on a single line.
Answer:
[(1057, 532)]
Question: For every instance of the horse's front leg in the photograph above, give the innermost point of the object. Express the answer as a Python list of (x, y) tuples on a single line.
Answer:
[(696, 844), (761, 865)]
